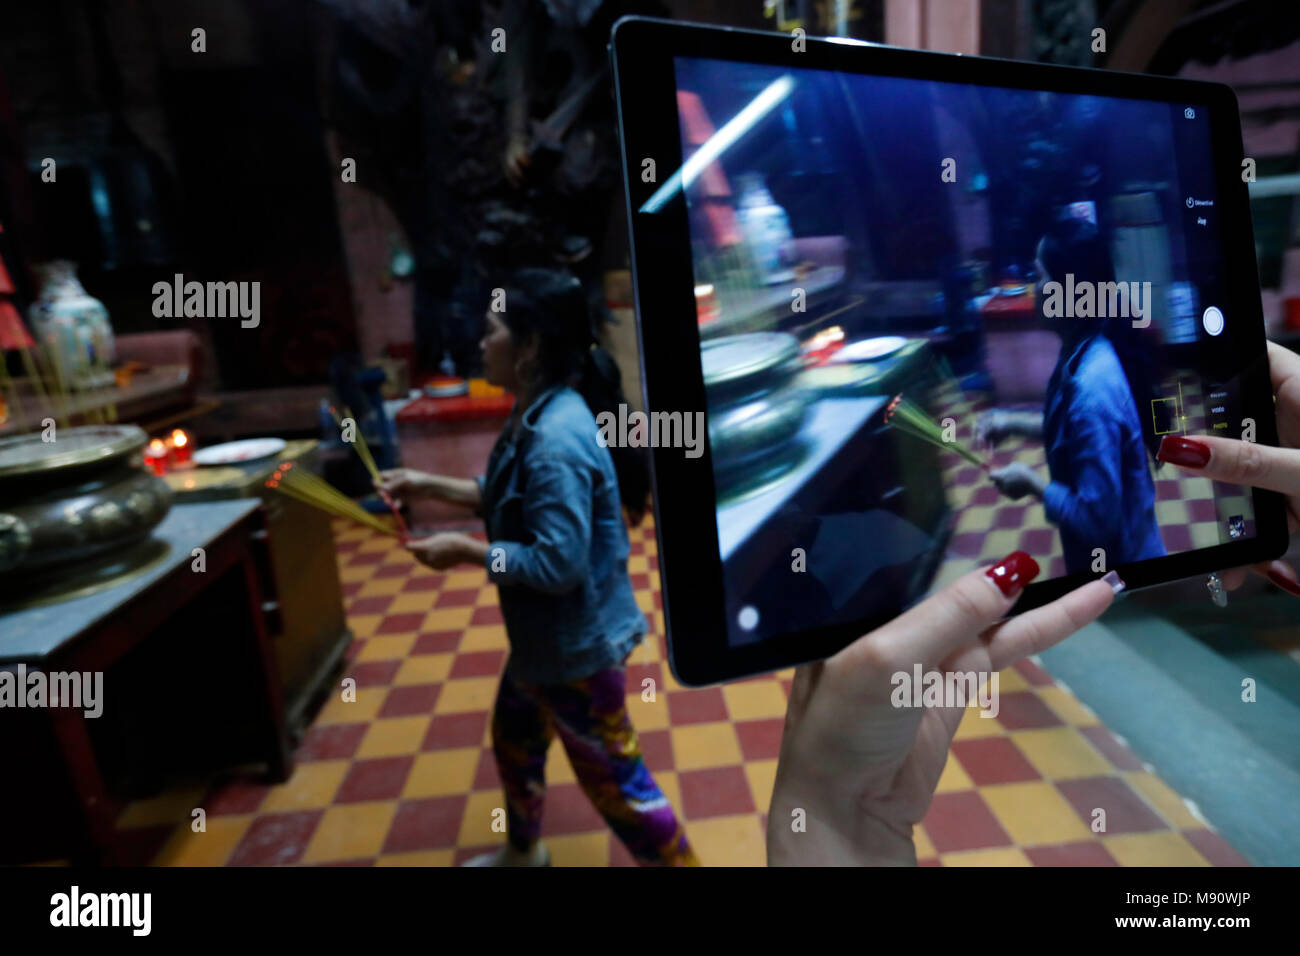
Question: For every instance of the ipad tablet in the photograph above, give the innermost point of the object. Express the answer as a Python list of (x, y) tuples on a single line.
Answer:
[(928, 310)]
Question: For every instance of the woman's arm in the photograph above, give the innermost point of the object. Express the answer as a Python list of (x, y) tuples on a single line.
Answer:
[(557, 513), (409, 483)]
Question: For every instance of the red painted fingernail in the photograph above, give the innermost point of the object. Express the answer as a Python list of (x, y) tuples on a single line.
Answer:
[(1013, 572), (1285, 583), (1187, 452)]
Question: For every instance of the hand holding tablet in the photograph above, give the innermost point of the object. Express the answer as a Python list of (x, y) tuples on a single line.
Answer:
[(1043, 240)]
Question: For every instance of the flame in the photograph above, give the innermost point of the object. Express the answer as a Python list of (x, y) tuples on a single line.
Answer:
[(180, 439)]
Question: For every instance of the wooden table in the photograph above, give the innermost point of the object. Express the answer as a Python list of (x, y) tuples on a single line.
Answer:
[(56, 755), (308, 625)]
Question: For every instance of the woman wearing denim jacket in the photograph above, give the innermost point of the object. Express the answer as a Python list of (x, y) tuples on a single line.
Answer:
[(557, 550)]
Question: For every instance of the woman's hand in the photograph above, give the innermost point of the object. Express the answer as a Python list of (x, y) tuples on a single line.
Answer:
[(1260, 466), (863, 770), (447, 549), (1017, 480), (399, 483)]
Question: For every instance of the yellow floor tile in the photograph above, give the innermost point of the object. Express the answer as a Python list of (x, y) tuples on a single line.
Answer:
[(355, 573), (924, 848), (442, 773), (364, 625), (172, 806), (336, 710), (480, 811), (389, 647), (424, 669), (1011, 680), (762, 778), (728, 841), (558, 768), (1034, 813), (705, 745), (671, 787), (418, 602), (464, 580), (491, 637), (637, 564), (1003, 856), (973, 726), (954, 777), (419, 858), (467, 694), (212, 848), (1162, 848), (312, 785), (1067, 707), (755, 700), (647, 652), (447, 619), (488, 596), (579, 849), (1060, 753), (393, 737), (381, 587), (647, 715), (1166, 802), (351, 831)]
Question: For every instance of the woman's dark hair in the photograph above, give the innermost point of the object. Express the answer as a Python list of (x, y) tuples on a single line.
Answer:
[(1077, 247), (553, 305)]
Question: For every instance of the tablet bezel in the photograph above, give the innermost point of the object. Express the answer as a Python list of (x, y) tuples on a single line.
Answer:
[(642, 53)]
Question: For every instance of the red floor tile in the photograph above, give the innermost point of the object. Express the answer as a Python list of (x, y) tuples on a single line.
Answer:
[(696, 706), (478, 664), (373, 673), (962, 821), (993, 760), (410, 701), (1125, 810), (569, 811), (276, 839), (437, 642), (1110, 748), (369, 605), (1024, 710), (239, 796), (454, 730), (486, 776), (428, 824), (715, 792), (381, 778), (656, 749), (400, 623), (1215, 848), (486, 616), (335, 742), (1070, 854), (1032, 673), (760, 739), (464, 598)]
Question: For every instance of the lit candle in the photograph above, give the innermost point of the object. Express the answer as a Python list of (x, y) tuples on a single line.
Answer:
[(182, 453), (156, 457)]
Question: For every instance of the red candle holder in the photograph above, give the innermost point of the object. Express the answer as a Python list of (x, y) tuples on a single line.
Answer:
[(180, 449), (155, 457)]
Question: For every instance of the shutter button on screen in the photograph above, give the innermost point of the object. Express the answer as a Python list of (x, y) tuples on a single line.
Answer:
[(1213, 320)]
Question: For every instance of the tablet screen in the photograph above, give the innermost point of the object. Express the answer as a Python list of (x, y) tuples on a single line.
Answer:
[(942, 322)]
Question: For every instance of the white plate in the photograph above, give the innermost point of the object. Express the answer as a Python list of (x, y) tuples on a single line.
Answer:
[(869, 350), (235, 452)]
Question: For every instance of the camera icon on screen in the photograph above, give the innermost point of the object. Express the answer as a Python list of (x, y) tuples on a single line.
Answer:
[(1189, 113)]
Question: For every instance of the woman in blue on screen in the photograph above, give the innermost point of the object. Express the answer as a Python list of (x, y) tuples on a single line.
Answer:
[(1101, 494)]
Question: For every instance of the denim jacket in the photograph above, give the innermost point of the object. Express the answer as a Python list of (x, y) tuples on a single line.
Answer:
[(558, 546)]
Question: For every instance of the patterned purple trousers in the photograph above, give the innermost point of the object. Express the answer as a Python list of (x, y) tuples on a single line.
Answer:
[(591, 718)]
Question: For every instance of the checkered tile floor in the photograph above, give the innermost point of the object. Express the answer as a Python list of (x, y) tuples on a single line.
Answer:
[(405, 776), (1191, 511)]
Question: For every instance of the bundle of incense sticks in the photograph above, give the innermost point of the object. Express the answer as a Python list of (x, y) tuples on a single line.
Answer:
[(907, 417), (367, 459), (313, 490)]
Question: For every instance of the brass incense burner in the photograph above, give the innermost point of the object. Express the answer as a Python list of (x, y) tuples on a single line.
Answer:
[(69, 505)]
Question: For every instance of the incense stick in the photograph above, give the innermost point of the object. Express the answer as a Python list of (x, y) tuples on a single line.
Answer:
[(363, 451), (315, 491), (907, 417)]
